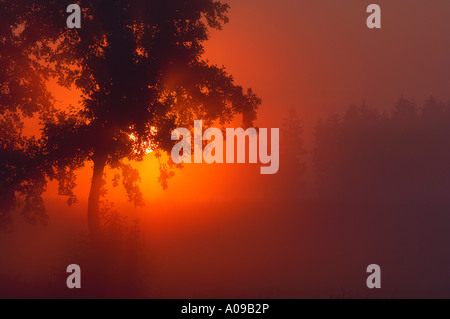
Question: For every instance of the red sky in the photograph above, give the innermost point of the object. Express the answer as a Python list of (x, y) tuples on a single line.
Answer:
[(319, 57)]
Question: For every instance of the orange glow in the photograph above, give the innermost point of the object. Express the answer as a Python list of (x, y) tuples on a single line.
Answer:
[(147, 146), (224, 230)]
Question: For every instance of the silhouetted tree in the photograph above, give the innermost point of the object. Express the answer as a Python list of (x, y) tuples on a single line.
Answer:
[(367, 157), (292, 155), (23, 95), (326, 152), (140, 68)]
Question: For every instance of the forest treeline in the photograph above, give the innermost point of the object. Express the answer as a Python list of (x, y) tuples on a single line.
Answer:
[(366, 155)]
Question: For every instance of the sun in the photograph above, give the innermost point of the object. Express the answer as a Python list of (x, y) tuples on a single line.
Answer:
[(143, 146)]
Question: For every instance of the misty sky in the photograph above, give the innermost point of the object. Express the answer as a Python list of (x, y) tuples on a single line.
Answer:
[(320, 57)]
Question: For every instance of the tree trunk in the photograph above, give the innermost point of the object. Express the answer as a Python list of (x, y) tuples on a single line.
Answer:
[(94, 197)]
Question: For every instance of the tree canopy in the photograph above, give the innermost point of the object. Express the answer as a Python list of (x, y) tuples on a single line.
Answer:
[(141, 71)]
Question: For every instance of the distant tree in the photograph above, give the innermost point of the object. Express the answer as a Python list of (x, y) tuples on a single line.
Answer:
[(349, 152), (433, 110), (292, 153), (368, 157), (326, 151), (405, 111), (140, 68)]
